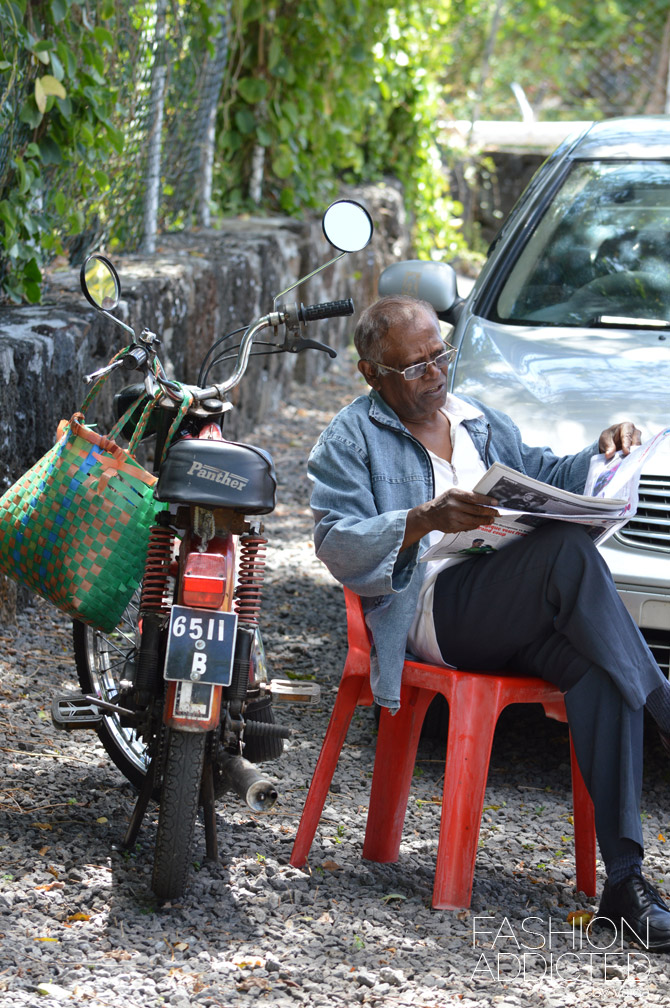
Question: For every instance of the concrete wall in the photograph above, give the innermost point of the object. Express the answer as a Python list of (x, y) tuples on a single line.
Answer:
[(197, 287)]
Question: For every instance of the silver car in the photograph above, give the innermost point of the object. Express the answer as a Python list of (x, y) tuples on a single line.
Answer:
[(567, 328)]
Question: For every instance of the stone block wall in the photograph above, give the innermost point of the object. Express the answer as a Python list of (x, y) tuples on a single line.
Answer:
[(197, 287)]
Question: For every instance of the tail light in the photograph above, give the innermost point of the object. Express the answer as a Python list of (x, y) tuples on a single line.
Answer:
[(204, 580)]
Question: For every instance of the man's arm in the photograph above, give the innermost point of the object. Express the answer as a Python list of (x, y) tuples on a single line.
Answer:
[(360, 546)]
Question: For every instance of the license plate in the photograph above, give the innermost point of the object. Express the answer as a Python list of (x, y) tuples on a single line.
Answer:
[(201, 645)]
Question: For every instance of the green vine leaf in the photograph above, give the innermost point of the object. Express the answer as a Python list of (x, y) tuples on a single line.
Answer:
[(45, 86), (252, 89), (59, 10), (30, 115)]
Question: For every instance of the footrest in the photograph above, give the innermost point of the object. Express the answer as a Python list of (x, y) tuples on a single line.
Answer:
[(73, 710), (294, 691)]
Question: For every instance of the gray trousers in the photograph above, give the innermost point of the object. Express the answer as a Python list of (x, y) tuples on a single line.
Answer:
[(547, 606)]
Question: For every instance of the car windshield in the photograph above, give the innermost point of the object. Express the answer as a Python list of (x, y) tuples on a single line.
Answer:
[(600, 255)]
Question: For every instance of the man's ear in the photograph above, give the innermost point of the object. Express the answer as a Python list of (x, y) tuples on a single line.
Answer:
[(369, 372)]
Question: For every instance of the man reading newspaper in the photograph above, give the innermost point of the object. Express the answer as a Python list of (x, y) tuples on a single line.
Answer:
[(392, 473)]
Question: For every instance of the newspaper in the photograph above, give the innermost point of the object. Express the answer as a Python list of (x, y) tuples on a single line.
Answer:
[(610, 498)]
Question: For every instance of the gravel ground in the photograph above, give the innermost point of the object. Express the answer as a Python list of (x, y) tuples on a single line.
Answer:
[(77, 918)]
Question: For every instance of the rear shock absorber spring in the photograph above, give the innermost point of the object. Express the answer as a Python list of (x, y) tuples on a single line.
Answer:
[(250, 579), (156, 569), (154, 608)]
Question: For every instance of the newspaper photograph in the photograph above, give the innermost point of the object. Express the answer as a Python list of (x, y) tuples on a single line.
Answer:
[(526, 503)]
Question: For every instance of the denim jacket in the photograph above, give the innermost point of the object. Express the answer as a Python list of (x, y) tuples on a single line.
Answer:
[(368, 471)]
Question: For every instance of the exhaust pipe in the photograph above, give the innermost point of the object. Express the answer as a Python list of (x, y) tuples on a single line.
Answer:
[(243, 778)]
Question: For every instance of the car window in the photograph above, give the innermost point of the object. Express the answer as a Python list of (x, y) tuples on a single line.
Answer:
[(600, 253)]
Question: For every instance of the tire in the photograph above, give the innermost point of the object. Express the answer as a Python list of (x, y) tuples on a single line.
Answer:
[(179, 801), (104, 666)]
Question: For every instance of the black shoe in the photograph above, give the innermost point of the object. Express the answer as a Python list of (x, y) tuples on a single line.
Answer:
[(635, 907)]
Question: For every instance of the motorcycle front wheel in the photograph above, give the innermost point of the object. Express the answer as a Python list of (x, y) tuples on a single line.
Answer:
[(105, 665), (178, 811)]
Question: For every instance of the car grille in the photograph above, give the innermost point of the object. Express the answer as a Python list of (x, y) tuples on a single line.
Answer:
[(651, 525), (659, 645)]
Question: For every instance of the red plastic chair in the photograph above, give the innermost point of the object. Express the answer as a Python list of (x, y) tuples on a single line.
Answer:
[(475, 701)]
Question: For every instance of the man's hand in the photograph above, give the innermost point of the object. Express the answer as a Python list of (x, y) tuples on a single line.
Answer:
[(453, 511), (619, 436)]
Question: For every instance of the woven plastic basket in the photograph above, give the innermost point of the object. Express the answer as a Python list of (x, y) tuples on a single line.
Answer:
[(75, 527)]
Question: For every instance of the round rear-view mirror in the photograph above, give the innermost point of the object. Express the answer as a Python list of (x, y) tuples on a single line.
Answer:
[(347, 225), (100, 282)]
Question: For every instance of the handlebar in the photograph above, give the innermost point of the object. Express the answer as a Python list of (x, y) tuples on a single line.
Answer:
[(327, 309), (293, 316)]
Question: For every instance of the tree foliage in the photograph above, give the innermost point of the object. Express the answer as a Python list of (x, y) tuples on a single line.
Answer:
[(573, 59), (325, 91), (313, 94), (56, 122)]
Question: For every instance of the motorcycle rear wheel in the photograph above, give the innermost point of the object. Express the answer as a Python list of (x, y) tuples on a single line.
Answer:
[(179, 802), (105, 664)]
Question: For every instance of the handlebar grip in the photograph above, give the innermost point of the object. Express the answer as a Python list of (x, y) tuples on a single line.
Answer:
[(328, 309)]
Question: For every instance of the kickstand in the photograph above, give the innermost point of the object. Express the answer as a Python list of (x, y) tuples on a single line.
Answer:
[(140, 806), (208, 811)]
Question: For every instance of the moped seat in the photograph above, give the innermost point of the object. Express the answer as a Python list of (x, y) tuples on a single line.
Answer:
[(218, 474)]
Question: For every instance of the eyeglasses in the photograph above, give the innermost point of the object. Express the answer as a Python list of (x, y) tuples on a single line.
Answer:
[(418, 370)]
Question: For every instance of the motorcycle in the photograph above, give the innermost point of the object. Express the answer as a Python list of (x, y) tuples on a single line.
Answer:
[(179, 691)]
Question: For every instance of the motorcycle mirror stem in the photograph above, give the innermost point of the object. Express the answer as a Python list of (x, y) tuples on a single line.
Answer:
[(348, 227), (123, 325)]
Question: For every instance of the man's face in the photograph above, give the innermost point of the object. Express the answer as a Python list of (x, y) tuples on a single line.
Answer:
[(411, 344)]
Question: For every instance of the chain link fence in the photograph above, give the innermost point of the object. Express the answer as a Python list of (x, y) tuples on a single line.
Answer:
[(632, 75), (167, 81), (161, 180), (518, 114)]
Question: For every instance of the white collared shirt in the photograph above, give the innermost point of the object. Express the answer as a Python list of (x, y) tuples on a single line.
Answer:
[(464, 471)]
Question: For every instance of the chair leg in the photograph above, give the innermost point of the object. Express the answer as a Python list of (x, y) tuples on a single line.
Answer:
[(395, 757), (473, 714), (585, 830), (338, 726)]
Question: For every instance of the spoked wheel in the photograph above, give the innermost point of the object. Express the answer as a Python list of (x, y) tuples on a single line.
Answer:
[(105, 666), (179, 801)]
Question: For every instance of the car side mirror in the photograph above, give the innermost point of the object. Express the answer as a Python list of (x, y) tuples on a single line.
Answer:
[(434, 282)]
